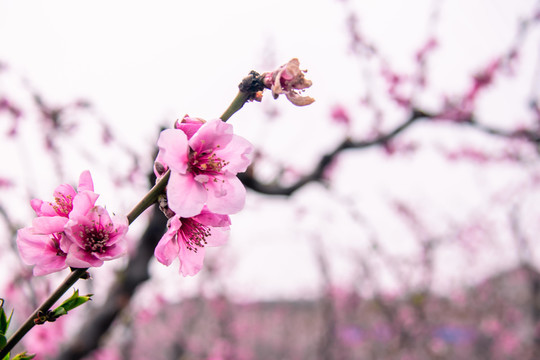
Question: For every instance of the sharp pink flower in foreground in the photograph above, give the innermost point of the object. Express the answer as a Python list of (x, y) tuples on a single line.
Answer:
[(203, 168), (44, 244), (71, 231), (186, 239), (95, 237), (63, 198)]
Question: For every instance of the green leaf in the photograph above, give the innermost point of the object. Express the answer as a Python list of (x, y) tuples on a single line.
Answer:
[(3, 341), (24, 356), (3, 320), (59, 311), (71, 303)]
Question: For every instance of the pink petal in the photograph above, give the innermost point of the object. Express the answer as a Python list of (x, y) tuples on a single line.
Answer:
[(42, 208), (218, 236), (85, 182), (78, 258), (186, 196), (83, 203), (212, 135), (191, 262), (210, 219), (167, 249), (65, 190), (173, 149), (39, 250), (121, 227), (113, 252), (237, 153), (31, 245), (49, 224), (226, 197), (53, 264)]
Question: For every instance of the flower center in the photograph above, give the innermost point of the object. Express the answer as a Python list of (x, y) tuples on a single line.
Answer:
[(206, 162), (56, 242), (96, 237), (63, 204), (194, 233)]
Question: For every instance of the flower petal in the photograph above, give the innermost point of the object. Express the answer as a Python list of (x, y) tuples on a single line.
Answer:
[(49, 224), (214, 134), (167, 249), (173, 149), (237, 154), (227, 196), (191, 262), (85, 182), (78, 258), (185, 196), (218, 236)]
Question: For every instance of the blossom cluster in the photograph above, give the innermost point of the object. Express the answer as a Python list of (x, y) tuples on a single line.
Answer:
[(203, 190), (71, 231)]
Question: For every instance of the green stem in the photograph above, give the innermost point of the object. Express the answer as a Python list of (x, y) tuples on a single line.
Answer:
[(71, 279), (236, 105), (150, 198)]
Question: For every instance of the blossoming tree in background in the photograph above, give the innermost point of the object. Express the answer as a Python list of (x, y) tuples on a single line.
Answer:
[(382, 195)]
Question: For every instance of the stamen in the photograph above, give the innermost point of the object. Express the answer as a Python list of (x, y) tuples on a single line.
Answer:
[(194, 233), (206, 163), (63, 204), (96, 236)]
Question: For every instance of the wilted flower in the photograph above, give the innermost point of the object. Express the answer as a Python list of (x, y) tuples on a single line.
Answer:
[(287, 80), (186, 239), (203, 168)]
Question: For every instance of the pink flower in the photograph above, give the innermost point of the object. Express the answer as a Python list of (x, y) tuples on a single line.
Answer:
[(186, 239), (203, 168), (63, 198), (44, 244), (340, 115), (42, 248), (189, 125), (286, 80), (94, 236)]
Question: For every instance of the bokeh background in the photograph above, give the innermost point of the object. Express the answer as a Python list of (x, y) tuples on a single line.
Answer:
[(394, 218)]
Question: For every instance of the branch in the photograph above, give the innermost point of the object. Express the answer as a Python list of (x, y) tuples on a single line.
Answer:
[(318, 172)]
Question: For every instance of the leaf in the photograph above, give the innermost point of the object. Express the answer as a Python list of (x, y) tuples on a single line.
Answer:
[(3, 320), (24, 356), (71, 303)]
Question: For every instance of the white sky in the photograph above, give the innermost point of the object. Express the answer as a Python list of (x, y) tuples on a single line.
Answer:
[(143, 64)]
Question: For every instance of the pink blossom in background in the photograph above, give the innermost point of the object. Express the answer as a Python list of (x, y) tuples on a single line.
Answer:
[(339, 114), (186, 239), (95, 236), (43, 340), (204, 168)]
